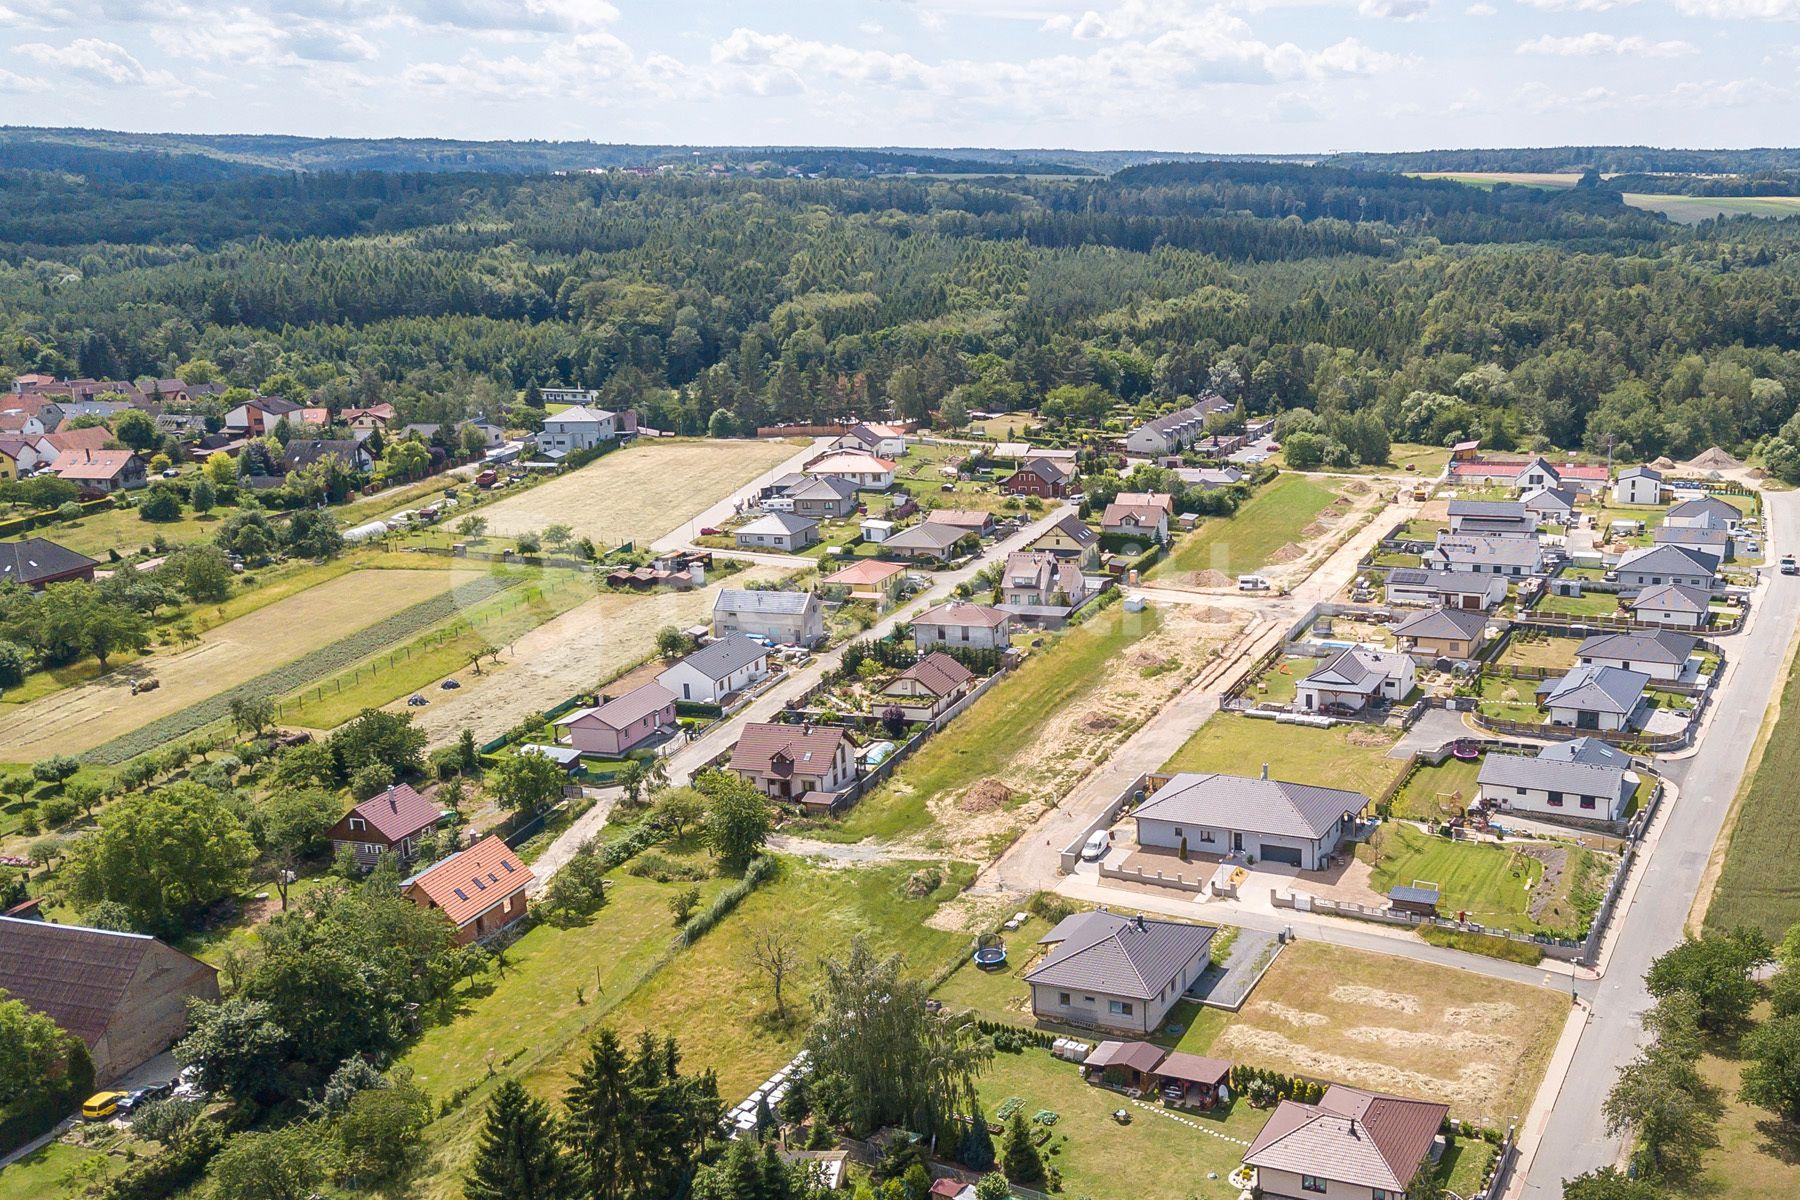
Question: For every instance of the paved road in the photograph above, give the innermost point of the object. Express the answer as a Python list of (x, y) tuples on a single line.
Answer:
[(1708, 780), (725, 509), (691, 757)]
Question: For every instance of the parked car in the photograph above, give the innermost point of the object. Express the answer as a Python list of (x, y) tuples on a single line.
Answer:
[(101, 1105), (170, 473), (1788, 566), (708, 531), (1098, 843)]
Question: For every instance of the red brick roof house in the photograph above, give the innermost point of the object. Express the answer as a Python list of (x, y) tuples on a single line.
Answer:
[(100, 471), (1039, 477), (389, 822), (481, 891), (1351, 1143), (375, 416), (808, 763), (124, 994)]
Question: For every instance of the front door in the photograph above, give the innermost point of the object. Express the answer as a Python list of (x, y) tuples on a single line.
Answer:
[(1237, 842)]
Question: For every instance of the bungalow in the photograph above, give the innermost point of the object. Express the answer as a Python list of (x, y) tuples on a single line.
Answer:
[(1106, 971), (783, 618), (577, 428), (1446, 589), (1037, 579), (1150, 521), (389, 822), (1491, 518), (1638, 485), (1706, 512), (1486, 554), (259, 416), (1351, 1145), (1661, 655), (1071, 538), (1174, 432), (867, 579), (883, 441), (1595, 697), (617, 726), (927, 541), (1671, 604), (868, 472), (823, 496), (1551, 506), (480, 891), (808, 763), (100, 471), (1442, 633), (38, 562), (1556, 787), (1291, 823), (1655, 565), (1717, 542), (928, 687), (960, 623), (715, 671), (1354, 679), (1209, 478), (125, 995), (1041, 477), (969, 520), (787, 532)]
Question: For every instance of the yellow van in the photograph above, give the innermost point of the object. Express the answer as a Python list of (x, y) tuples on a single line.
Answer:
[(101, 1105)]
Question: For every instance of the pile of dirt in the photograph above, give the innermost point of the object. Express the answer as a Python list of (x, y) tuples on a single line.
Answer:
[(1287, 554), (923, 882), (1757, 473), (1313, 530), (1356, 488), (1368, 738), (1099, 722), (1556, 861), (985, 795), (1211, 578), (1714, 459), (1665, 463)]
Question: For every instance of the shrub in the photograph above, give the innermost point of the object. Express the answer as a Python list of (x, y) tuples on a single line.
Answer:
[(759, 871)]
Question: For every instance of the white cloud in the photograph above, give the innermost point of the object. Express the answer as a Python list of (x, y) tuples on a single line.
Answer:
[(1731, 93), (1480, 10), (595, 67), (1541, 98), (1588, 45), (15, 84), (100, 61), (1395, 10), (1578, 5), (1742, 10)]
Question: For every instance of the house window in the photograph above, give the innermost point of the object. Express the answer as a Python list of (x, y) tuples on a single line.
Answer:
[(1556, 799), (1312, 1183), (1587, 802), (1381, 1194), (1062, 998), (1206, 835), (357, 824), (1119, 1008)]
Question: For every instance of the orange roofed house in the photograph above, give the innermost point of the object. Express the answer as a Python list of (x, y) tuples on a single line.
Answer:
[(1351, 1145), (808, 763), (481, 891)]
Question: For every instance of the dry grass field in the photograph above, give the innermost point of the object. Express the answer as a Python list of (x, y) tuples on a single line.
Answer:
[(1479, 1045), (638, 493), (79, 718)]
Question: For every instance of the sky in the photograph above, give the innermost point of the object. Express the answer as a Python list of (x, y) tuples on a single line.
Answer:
[(1279, 76)]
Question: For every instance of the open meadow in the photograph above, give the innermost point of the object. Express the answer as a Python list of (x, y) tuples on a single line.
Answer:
[(1270, 528), (1344, 756), (640, 492)]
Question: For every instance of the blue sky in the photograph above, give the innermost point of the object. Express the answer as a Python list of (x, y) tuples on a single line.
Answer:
[(1244, 75)]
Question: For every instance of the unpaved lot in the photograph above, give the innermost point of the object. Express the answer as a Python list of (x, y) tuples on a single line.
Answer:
[(638, 493), (574, 652), (79, 718), (1297, 559), (1477, 1044)]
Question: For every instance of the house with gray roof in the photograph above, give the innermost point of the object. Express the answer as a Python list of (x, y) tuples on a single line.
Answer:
[(1174, 432), (38, 562), (1124, 974), (1442, 633), (1672, 605), (928, 540), (1556, 787), (1491, 518), (1551, 506), (1638, 485), (1354, 679), (781, 618), (1587, 750), (1595, 697), (1705, 512), (1662, 655), (1351, 1145), (1713, 541), (784, 531), (1486, 554), (1266, 819), (718, 669), (823, 496), (1666, 563), (1469, 590)]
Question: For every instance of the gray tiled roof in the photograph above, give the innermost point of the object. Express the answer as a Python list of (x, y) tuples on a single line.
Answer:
[(1705, 506), (1598, 689), (1119, 956), (750, 600), (1487, 508), (36, 558), (778, 522), (1589, 750), (1552, 775), (1674, 597), (1443, 623), (719, 659), (1355, 669), (1500, 551), (1669, 559), (1660, 647), (1267, 806)]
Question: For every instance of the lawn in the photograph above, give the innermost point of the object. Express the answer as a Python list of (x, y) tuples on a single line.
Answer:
[(1437, 792), (1759, 885), (1424, 462), (1758, 1155), (1247, 540), (122, 529), (1097, 1157), (999, 995), (1278, 684), (41, 1175), (1510, 699), (1526, 649), (985, 738), (1396, 1025), (1344, 756), (1593, 604), (1492, 884)]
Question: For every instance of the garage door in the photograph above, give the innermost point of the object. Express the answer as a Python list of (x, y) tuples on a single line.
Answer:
[(1281, 854)]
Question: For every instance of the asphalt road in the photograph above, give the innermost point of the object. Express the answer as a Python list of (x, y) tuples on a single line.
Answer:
[(1575, 1140)]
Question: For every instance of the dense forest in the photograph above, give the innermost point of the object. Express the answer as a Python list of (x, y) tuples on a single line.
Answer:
[(1523, 316), (1605, 159)]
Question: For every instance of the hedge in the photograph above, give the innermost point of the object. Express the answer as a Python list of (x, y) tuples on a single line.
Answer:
[(169, 1173), (760, 869)]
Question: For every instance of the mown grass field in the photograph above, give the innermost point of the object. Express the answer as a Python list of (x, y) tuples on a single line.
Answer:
[(1691, 210), (1492, 884), (1758, 1154), (1434, 793), (1268, 521), (1759, 884), (39, 1176), (1344, 756)]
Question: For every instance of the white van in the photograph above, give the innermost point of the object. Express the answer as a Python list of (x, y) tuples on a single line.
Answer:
[(1252, 583), (1098, 843)]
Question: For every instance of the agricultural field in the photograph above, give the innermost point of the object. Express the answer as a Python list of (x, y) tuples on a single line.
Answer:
[(1270, 528), (1759, 884), (1344, 756), (1477, 1044), (640, 492), (1487, 179), (78, 719), (1691, 210)]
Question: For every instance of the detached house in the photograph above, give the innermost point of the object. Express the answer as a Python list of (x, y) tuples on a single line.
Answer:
[(807, 763), (1117, 973), (867, 579), (1491, 518), (1657, 565), (1707, 512), (714, 672), (1147, 521), (577, 428), (389, 822), (1041, 477), (621, 724), (480, 891), (259, 416), (883, 441), (823, 496), (1447, 589), (783, 618), (101, 472), (1513, 557), (1267, 819), (1036, 583), (782, 531), (1551, 506), (1674, 605), (1595, 697), (1071, 538), (1355, 679), (1442, 633), (1351, 1145), (867, 471), (1707, 539), (928, 687), (1553, 786), (1638, 485), (38, 562), (961, 623), (1662, 655), (927, 541)]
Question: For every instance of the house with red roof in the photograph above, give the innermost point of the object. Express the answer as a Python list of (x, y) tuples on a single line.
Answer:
[(481, 891), (101, 472), (807, 763), (1352, 1144), (388, 822)]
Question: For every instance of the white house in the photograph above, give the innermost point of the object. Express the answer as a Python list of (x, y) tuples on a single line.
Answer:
[(1705, 512), (785, 618), (1638, 485), (883, 441), (869, 472), (1270, 820), (1486, 554), (1662, 655), (787, 532), (1656, 565), (577, 428), (1600, 698), (715, 671), (1355, 678), (1106, 971), (1551, 506), (1558, 787), (1447, 589), (960, 623), (1673, 605)]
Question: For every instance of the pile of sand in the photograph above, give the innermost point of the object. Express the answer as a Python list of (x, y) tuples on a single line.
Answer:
[(1287, 554), (1714, 459), (1665, 463), (1313, 530), (1211, 578), (1099, 722), (985, 795)]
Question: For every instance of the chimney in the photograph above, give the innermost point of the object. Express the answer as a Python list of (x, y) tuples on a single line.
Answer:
[(1140, 921), (1265, 771)]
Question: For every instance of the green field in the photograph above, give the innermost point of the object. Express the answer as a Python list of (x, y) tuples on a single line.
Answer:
[(43, 1174), (1758, 1155), (1268, 521), (1296, 753), (1427, 794), (1492, 884), (1691, 210), (1760, 883)]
